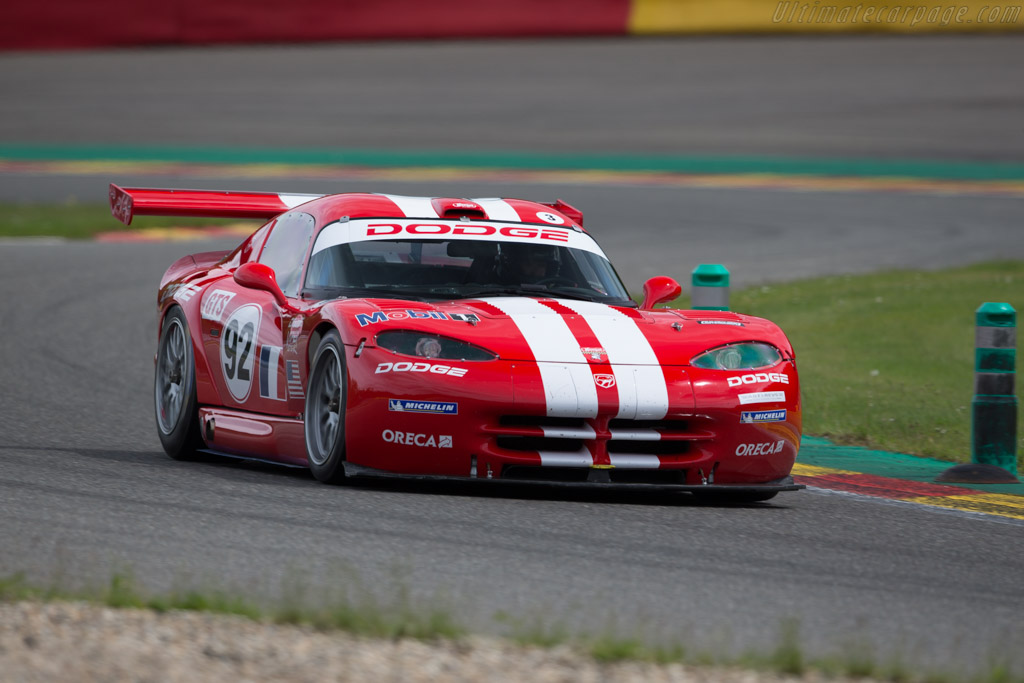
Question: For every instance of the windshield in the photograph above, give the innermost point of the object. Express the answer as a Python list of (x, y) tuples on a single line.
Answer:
[(457, 260)]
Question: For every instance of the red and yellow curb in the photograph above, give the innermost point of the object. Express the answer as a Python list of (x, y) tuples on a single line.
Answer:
[(624, 178), (924, 493), (676, 17), (175, 234), (59, 24)]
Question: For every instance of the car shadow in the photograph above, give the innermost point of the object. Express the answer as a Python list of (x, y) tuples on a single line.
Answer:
[(533, 491), (227, 467), (506, 490)]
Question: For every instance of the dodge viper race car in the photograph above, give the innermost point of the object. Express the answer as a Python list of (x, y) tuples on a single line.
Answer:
[(379, 335)]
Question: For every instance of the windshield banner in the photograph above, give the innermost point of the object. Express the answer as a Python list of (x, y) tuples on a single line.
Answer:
[(442, 230)]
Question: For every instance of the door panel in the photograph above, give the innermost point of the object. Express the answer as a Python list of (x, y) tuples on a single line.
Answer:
[(243, 342)]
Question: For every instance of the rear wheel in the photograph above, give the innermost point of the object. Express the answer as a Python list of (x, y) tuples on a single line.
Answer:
[(174, 390), (325, 411)]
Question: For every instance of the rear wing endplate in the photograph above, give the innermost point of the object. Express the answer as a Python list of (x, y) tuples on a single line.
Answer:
[(568, 210), (127, 202)]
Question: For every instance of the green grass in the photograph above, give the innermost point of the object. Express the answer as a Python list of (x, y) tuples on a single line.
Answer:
[(399, 617), (886, 361), (82, 221)]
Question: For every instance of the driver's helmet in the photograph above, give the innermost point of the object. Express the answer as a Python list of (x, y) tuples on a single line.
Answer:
[(529, 263)]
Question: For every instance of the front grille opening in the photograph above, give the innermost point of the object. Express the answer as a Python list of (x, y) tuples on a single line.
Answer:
[(648, 447), (582, 474), (662, 477), (529, 473), (539, 443), (541, 421), (661, 425)]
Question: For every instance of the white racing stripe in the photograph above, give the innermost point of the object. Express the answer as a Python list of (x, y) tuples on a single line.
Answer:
[(580, 458), (584, 432), (569, 387), (639, 462), (498, 210), (643, 393), (414, 207), (635, 435), (293, 200), (569, 390)]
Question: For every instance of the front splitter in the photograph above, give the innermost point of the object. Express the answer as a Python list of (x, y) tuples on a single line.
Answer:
[(778, 485)]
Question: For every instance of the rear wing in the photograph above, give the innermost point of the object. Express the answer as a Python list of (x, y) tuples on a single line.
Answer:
[(127, 202), (568, 210)]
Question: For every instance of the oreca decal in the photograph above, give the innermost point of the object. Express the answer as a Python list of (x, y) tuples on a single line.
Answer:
[(238, 349), (763, 448), (414, 439)]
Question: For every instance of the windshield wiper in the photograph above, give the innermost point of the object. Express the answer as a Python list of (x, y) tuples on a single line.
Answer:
[(449, 292), (363, 292), (525, 290)]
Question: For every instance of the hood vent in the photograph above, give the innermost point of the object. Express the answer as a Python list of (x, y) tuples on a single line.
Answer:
[(458, 208)]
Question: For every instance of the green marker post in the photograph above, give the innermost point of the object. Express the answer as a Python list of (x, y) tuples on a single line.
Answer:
[(994, 408), (710, 287)]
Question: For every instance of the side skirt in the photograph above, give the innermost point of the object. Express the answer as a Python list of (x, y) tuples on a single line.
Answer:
[(270, 438)]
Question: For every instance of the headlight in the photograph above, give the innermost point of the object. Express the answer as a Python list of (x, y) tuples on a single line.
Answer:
[(422, 345), (745, 356)]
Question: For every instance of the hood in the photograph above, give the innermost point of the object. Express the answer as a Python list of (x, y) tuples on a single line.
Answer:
[(566, 331)]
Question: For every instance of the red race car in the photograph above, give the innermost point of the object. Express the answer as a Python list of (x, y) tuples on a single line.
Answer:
[(380, 335)]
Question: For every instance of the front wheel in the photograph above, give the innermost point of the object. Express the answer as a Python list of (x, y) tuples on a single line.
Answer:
[(174, 390), (325, 411)]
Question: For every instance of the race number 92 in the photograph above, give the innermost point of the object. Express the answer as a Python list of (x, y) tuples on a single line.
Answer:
[(237, 349)]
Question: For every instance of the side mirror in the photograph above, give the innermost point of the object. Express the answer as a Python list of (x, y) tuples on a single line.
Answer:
[(261, 276), (658, 290)]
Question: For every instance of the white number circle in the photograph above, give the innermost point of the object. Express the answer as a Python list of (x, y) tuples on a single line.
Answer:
[(549, 217), (238, 349)]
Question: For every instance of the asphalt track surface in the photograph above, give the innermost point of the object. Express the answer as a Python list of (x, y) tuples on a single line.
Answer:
[(85, 489), (952, 97)]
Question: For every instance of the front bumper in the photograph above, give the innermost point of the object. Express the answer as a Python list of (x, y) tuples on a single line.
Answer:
[(501, 420)]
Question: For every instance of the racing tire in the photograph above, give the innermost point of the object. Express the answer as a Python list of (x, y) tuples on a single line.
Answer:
[(174, 389), (324, 417)]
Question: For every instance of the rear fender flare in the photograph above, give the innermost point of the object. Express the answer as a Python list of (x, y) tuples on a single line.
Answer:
[(206, 391)]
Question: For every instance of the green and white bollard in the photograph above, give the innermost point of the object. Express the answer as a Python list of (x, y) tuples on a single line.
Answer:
[(994, 408), (710, 287)]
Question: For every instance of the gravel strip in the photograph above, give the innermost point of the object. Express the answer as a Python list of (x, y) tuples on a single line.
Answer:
[(84, 642)]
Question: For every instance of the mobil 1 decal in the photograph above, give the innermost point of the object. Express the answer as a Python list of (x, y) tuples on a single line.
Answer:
[(237, 349)]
